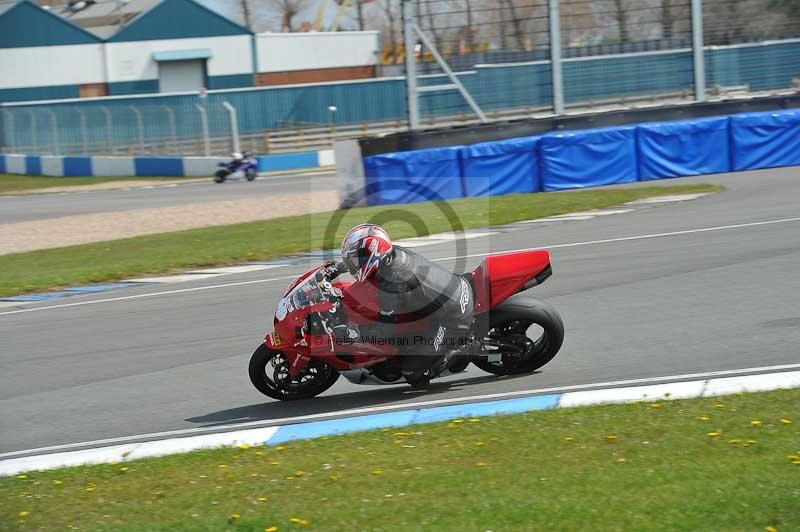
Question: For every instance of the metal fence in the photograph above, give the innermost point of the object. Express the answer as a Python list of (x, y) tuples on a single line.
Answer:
[(510, 58)]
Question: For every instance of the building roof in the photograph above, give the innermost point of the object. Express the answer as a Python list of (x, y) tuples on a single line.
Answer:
[(26, 24), (103, 17)]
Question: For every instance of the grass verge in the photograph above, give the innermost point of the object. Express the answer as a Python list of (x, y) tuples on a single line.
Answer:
[(14, 184), (118, 259), (727, 463)]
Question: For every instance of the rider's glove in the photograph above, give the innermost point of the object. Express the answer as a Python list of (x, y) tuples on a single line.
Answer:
[(388, 316), (331, 271)]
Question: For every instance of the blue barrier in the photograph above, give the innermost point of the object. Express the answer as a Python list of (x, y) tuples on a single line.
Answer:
[(275, 163), (690, 147), (33, 165), (505, 167), (590, 158), (2, 164), (77, 166), (765, 140), (158, 166), (414, 176)]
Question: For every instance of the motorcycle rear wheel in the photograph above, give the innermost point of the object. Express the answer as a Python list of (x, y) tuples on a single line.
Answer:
[(269, 373), (511, 324)]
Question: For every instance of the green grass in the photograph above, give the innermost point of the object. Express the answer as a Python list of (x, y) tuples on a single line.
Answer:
[(14, 184), (118, 259), (646, 466)]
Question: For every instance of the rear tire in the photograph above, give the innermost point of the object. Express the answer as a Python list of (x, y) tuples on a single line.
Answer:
[(269, 374), (511, 320)]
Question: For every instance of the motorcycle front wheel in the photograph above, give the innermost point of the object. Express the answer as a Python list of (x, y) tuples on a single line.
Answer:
[(269, 373), (250, 175), (220, 176), (510, 337)]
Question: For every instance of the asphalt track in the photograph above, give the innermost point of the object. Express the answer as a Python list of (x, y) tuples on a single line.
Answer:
[(30, 207), (673, 289)]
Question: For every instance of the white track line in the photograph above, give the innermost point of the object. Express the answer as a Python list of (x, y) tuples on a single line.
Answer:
[(404, 406), (554, 246)]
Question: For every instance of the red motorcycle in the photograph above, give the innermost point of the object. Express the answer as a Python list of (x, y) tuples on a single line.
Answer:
[(302, 358)]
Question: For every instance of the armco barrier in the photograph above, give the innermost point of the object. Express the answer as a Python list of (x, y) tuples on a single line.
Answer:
[(592, 157), (504, 167), (56, 165), (411, 177), (765, 140), (685, 148), (589, 158)]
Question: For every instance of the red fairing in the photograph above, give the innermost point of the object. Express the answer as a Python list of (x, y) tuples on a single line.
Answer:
[(501, 276)]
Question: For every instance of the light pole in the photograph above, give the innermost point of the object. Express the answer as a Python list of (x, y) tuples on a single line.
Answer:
[(331, 111)]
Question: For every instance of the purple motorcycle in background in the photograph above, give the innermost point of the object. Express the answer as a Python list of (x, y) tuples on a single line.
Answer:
[(242, 165)]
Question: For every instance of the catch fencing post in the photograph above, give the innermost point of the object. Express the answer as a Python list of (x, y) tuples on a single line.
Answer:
[(411, 64), (204, 126), (697, 51), (554, 11), (34, 140), (84, 131), (172, 129), (9, 126), (54, 125), (109, 129), (234, 126), (140, 125)]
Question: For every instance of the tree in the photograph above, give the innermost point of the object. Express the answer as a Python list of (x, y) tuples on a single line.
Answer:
[(790, 7), (667, 19), (622, 20)]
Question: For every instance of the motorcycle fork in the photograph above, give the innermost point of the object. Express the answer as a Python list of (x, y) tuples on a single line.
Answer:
[(298, 365)]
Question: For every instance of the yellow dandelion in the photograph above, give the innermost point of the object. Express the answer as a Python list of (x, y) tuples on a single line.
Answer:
[(621, 460), (123, 469), (479, 443), (271, 529), (274, 462), (714, 434), (234, 517), (244, 446), (756, 422), (89, 489), (656, 405), (398, 442), (704, 418), (751, 441), (222, 466), (262, 499), (734, 441), (289, 477), (23, 515), (280, 448), (611, 437), (159, 494), (569, 438), (457, 421), (770, 529), (719, 405), (377, 471), (474, 420), (481, 464), (335, 477), (793, 457), (22, 477), (299, 473), (298, 521), (398, 434), (57, 483), (786, 421)]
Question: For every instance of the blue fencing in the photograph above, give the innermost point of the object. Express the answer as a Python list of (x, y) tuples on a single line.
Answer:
[(588, 158)]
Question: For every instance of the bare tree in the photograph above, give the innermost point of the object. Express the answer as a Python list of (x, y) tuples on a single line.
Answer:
[(667, 19), (622, 20), (283, 12)]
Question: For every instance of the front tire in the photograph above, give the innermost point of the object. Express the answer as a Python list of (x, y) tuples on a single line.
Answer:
[(250, 175), (220, 176), (269, 373), (510, 322)]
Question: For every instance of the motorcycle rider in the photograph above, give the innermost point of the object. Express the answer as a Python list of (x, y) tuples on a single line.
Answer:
[(409, 288)]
